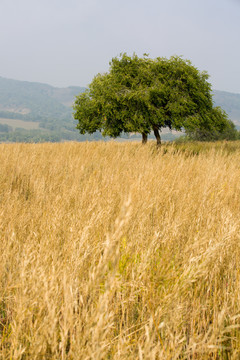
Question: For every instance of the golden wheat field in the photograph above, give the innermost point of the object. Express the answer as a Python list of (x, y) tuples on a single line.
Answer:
[(119, 251)]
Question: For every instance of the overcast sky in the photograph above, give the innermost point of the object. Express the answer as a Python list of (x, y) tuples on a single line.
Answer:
[(67, 42)]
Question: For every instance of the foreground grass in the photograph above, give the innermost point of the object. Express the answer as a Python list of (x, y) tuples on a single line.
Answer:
[(118, 251)]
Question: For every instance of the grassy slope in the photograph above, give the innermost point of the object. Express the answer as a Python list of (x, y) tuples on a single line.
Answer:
[(118, 251), (16, 123)]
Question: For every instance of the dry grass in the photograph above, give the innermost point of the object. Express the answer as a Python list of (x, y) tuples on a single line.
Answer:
[(118, 251)]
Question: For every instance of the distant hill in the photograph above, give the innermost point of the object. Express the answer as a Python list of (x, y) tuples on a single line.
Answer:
[(36, 101), (33, 112)]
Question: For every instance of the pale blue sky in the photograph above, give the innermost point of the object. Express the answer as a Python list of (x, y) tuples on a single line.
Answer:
[(67, 42)]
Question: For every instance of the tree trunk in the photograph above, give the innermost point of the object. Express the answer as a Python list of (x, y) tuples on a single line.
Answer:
[(157, 135), (144, 138)]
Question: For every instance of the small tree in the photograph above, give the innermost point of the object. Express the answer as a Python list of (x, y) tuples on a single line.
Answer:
[(143, 95), (218, 127)]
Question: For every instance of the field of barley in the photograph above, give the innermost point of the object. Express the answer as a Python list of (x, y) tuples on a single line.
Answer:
[(119, 251)]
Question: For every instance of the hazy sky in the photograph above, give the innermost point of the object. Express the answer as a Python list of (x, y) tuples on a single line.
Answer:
[(67, 42)]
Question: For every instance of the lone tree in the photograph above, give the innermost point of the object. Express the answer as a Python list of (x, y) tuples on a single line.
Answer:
[(141, 95)]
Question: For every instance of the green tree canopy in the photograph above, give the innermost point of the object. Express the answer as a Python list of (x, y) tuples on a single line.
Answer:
[(142, 95)]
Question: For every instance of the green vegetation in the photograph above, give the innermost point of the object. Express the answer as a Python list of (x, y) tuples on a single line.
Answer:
[(142, 95), (5, 128), (230, 103), (228, 133), (34, 112)]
